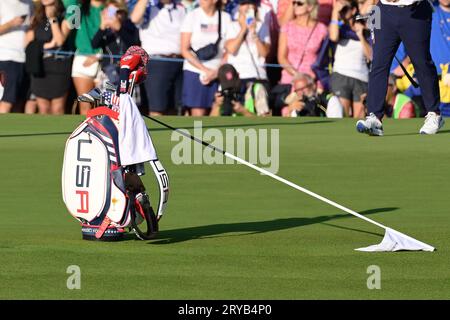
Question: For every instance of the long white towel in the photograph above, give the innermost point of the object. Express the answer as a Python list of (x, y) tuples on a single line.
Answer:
[(135, 144)]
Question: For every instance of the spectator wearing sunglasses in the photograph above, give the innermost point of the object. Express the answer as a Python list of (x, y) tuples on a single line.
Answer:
[(285, 11), (300, 40)]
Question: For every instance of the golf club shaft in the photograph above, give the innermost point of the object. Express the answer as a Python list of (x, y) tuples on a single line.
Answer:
[(410, 78), (270, 174), (187, 135)]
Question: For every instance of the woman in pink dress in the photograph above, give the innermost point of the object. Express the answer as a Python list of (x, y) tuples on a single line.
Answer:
[(300, 40)]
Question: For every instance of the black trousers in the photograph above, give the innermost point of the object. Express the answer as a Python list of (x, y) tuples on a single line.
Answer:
[(412, 26)]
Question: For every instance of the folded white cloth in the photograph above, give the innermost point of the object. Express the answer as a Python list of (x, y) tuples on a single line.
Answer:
[(135, 144), (335, 108), (397, 241)]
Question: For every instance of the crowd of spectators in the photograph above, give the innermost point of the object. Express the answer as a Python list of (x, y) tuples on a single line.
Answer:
[(290, 57)]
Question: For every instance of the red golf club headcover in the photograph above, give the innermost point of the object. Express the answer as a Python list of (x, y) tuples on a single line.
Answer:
[(142, 66), (131, 61), (134, 59)]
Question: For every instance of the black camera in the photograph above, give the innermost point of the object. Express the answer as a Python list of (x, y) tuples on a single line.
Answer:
[(230, 94), (311, 103), (314, 106), (230, 97), (310, 100), (230, 84)]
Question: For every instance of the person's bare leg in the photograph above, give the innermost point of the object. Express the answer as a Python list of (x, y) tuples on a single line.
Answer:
[(154, 113), (198, 112), (358, 110), (58, 105), (30, 107), (5, 107), (346, 104), (43, 105), (83, 85)]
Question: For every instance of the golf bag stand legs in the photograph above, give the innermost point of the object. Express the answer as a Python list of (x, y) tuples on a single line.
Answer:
[(142, 211), (163, 182)]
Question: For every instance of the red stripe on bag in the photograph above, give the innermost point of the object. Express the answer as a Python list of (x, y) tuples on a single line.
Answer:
[(103, 111), (103, 227)]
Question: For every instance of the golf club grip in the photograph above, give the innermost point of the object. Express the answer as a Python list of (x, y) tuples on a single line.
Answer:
[(132, 83), (410, 78)]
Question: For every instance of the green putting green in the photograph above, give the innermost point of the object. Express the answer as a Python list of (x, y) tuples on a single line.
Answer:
[(229, 232)]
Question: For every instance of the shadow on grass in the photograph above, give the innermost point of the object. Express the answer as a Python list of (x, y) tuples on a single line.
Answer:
[(413, 134), (167, 129), (242, 125), (222, 230)]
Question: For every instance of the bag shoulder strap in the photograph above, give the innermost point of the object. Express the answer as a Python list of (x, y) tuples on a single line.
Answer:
[(306, 46), (218, 32), (219, 29), (253, 58)]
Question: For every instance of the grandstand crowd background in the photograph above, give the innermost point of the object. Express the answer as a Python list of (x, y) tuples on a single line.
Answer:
[(293, 57)]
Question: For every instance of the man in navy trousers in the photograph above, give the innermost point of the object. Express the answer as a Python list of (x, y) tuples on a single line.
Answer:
[(407, 21)]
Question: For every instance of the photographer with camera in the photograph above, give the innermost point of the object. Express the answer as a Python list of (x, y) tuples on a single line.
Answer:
[(350, 76), (303, 100), (228, 99), (237, 107)]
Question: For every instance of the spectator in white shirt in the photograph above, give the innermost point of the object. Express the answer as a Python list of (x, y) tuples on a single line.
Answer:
[(349, 80), (189, 4), (14, 19), (248, 43), (160, 36), (200, 29)]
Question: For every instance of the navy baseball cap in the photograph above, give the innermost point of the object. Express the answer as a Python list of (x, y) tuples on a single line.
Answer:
[(255, 2)]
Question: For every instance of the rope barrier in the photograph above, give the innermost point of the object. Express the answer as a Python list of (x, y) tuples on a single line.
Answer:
[(155, 57), (117, 57)]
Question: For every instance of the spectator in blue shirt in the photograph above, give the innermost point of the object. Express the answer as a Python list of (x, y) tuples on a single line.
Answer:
[(440, 50), (440, 34)]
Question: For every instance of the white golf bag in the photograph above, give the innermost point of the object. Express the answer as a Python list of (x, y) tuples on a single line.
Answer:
[(102, 193)]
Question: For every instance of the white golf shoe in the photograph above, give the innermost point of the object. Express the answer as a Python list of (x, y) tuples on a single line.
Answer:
[(372, 126), (433, 122)]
